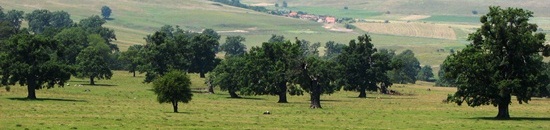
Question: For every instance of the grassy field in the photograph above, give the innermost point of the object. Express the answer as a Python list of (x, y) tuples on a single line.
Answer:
[(452, 19), (410, 29), (125, 103)]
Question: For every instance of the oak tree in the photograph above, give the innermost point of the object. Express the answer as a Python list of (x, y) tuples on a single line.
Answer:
[(503, 60)]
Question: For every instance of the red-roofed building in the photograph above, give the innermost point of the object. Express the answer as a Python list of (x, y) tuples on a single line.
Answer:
[(330, 19)]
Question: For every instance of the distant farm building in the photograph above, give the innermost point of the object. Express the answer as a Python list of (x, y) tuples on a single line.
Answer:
[(330, 19), (293, 14)]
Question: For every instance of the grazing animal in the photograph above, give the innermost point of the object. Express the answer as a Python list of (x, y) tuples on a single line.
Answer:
[(267, 113)]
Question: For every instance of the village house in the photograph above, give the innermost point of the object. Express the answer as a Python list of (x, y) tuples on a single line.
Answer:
[(330, 19), (293, 14)]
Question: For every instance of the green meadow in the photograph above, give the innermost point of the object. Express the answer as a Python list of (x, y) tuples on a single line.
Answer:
[(124, 102)]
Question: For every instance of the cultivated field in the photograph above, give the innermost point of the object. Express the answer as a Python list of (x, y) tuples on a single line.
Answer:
[(125, 103), (410, 29)]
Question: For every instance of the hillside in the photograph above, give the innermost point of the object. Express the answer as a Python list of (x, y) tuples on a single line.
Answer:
[(426, 7), (133, 20)]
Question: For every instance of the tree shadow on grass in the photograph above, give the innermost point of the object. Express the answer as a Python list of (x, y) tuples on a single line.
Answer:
[(48, 99), (187, 113), (513, 118), (103, 85), (384, 98), (246, 98)]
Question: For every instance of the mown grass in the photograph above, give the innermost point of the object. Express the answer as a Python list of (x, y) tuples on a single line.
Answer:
[(452, 19), (125, 103)]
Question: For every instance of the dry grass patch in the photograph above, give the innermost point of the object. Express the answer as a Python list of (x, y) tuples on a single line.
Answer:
[(410, 29), (415, 17)]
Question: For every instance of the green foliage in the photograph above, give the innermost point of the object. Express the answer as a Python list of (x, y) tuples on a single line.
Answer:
[(234, 46), (285, 5), (309, 49), (271, 67), (173, 88), (333, 49), (204, 48), (105, 12), (276, 38), (357, 66), (406, 67), (93, 25), (443, 80), (228, 75), (237, 3), (49, 23), (167, 49), (33, 61), (133, 58), (73, 40), (92, 62), (381, 66), (317, 77), (502, 60), (10, 23), (425, 74)]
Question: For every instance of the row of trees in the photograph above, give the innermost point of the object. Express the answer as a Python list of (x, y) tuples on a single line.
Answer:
[(279, 67), (52, 49)]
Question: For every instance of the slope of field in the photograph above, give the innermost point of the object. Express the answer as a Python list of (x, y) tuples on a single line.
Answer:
[(431, 7), (134, 19), (125, 103), (410, 29)]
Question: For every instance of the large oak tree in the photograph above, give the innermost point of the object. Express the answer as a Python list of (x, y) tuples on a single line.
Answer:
[(503, 59), (32, 60)]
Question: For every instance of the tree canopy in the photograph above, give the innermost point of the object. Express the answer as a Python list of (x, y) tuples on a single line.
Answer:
[(167, 49), (228, 75), (425, 73), (133, 57), (271, 68), (503, 59), (173, 87), (316, 76), (92, 62), (105, 12), (204, 46), (233, 46), (406, 68), (32, 60), (356, 66)]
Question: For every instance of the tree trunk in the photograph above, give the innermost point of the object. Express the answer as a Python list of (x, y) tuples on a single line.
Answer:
[(282, 93), (210, 89), (31, 88), (92, 80), (383, 88), (134, 73), (503, 112), (233, 94), (315, 96), (362, 92), (175, 105), (202, 74)]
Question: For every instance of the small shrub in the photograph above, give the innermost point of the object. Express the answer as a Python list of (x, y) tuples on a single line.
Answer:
[(346, 8), (349, 26)]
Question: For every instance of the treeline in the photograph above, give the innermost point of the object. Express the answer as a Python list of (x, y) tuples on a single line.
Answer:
[(237, 3), (53, 48)]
